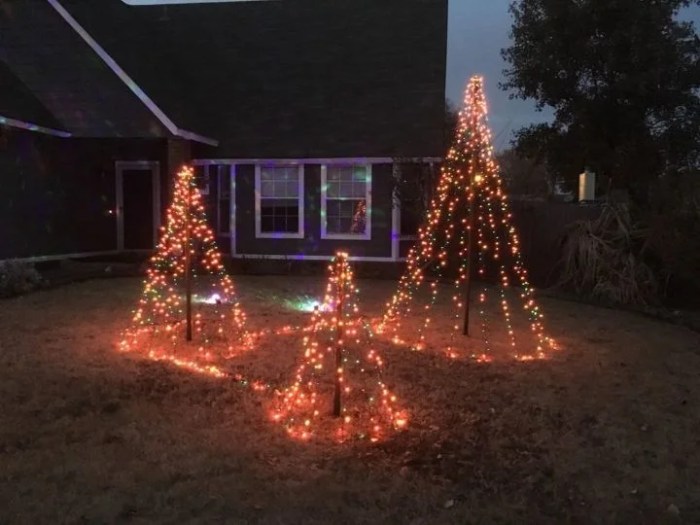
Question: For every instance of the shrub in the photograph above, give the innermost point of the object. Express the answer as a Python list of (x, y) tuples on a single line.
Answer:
[(602, 258), (17, 277), (673, 243)]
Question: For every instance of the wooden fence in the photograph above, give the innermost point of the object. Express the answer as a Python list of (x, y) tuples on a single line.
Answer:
[(541, 226)]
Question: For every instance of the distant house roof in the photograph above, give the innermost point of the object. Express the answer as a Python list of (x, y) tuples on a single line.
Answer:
[(290, 78)]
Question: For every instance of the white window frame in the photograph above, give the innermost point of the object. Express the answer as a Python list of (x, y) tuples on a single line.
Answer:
[(300, 197), (367, 235)]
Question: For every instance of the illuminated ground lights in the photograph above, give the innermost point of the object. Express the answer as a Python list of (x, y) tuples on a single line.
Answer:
[(469, 198), (166, 324), (338, 386)]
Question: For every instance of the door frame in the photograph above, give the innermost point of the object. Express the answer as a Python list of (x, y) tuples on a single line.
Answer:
[(145, 165)]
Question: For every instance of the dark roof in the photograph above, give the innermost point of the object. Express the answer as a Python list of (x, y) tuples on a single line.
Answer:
[(291, 78), (65, 75), (18, 102)]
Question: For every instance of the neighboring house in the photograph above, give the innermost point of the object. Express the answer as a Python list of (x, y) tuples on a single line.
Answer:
[(293, 112)]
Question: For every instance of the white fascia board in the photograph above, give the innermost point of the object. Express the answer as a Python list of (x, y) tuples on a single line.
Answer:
[(315, 160), (128, 81), (7, 121)]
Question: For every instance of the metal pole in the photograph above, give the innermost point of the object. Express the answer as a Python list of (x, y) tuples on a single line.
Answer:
[(188, 264), (339, 339), (470, 258)]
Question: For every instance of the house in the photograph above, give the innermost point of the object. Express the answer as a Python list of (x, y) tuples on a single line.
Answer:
[(296, 113)]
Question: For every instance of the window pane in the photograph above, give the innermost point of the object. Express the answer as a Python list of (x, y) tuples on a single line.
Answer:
[(293, 188), (345, 190), (201, 178), (333, 207), (359, 218), (224, 216), (360, 174), (345, 223), (410, 220), (346, 216), (359, 190), (332, 190), (279, 215), (279, 182), (224, 182), (266, 189), (333, 225), (280, 224), (347, 208), (266, 224), (347, 182)]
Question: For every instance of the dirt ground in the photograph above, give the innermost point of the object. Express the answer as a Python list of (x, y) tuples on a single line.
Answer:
[(605, 430)]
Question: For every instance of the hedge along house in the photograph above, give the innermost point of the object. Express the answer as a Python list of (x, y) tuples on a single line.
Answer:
[(294, 112)]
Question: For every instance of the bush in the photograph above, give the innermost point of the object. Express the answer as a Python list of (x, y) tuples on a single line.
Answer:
[(673, 243), (17, 277), (602, 259)]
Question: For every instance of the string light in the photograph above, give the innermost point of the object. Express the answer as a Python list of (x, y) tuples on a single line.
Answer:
[(339, 345), (160, 322), (469, 207)]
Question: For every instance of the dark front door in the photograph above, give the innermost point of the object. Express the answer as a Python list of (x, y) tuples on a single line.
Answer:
[(138, 209), (138, 203)]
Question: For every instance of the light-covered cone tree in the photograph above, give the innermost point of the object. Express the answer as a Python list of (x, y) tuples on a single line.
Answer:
[(338, 389), (173, 323), (468, 232)]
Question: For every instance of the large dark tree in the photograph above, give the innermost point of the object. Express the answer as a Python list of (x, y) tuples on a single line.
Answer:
[(523, 176), (622, 77)]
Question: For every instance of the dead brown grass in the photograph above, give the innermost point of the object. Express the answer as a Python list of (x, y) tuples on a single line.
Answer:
[(605, 431)]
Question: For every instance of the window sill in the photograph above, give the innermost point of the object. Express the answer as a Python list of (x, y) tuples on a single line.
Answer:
[(259, 235), (346, 236)]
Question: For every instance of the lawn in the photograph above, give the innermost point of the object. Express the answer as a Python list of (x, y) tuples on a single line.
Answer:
[(606, 429)]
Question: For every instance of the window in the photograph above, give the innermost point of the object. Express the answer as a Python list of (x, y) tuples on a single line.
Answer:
[(224, 203), (411, 220), (346, 202), (415, 187), (202, 176), (279, 201)]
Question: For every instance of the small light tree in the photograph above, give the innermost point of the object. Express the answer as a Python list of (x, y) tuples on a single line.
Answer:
[(165, 323), (339, 357)]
